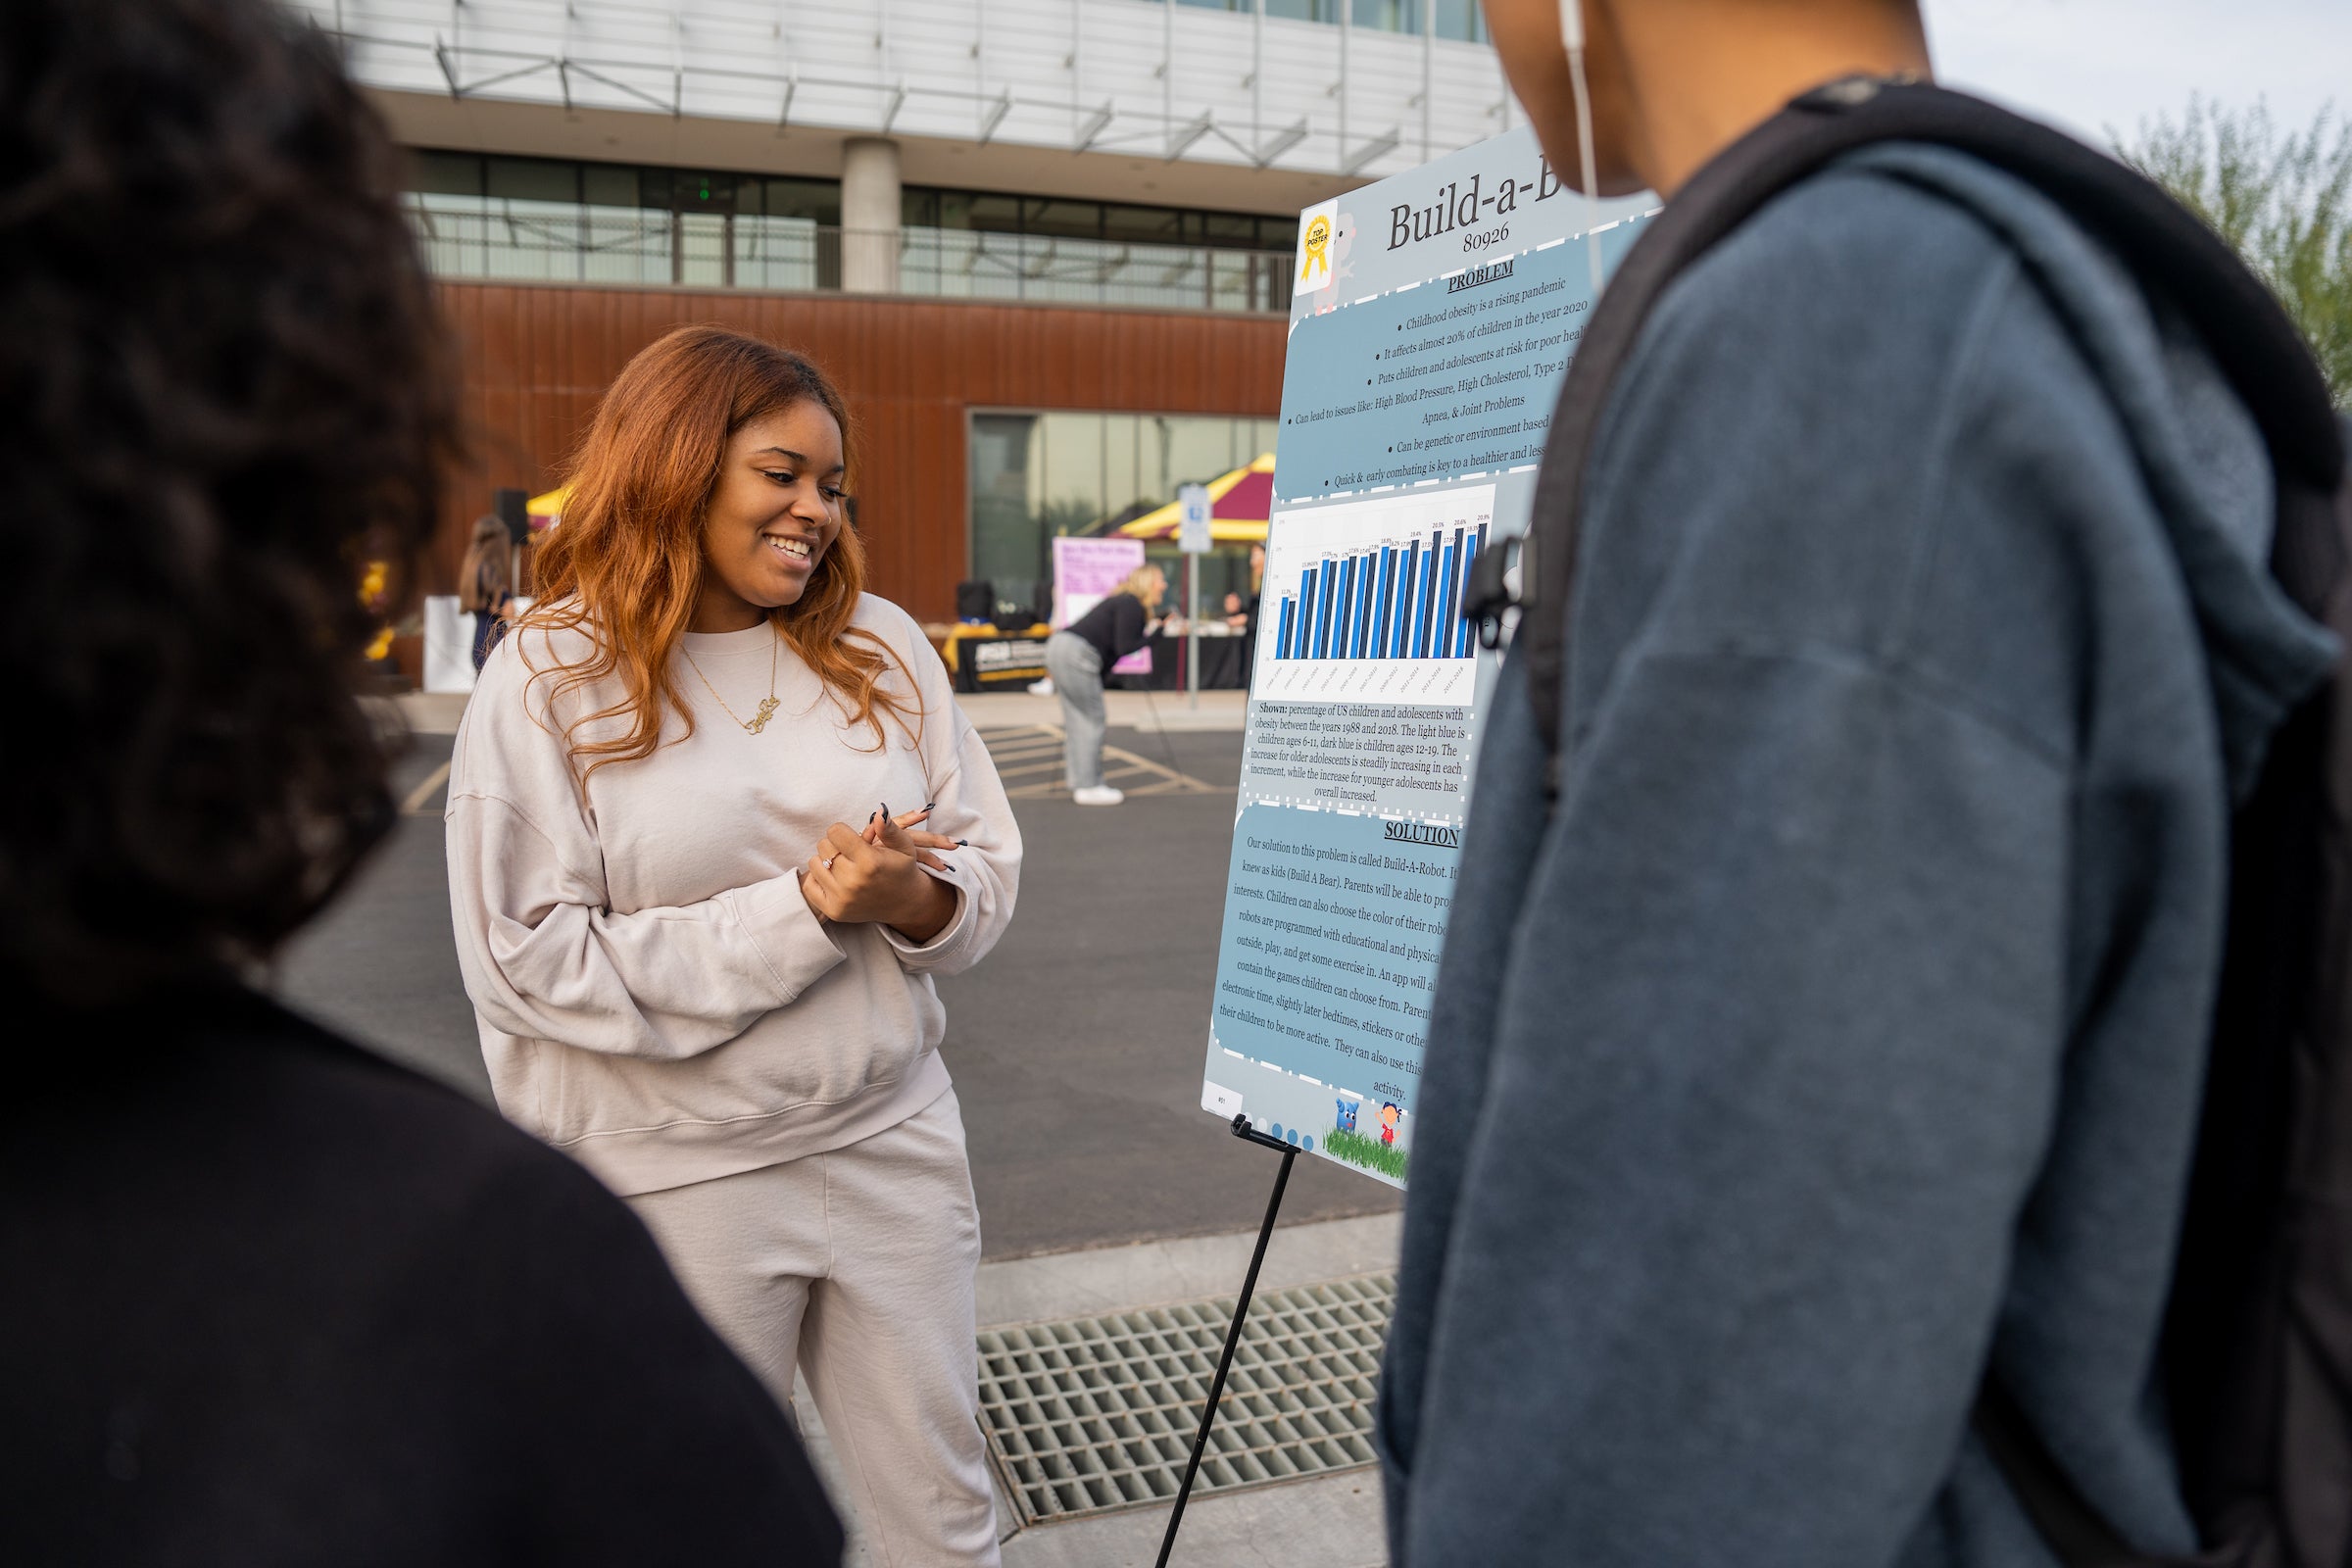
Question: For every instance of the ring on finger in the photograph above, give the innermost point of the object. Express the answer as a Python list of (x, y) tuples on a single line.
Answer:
[(827, 862)]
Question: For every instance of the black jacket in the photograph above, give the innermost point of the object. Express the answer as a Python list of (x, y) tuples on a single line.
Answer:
[(266, 1299), (1115, 627)]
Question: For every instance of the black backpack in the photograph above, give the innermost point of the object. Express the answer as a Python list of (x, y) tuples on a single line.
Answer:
[(2257, 1365)]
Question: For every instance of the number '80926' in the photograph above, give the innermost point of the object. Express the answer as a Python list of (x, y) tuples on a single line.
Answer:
[(1486, 239)]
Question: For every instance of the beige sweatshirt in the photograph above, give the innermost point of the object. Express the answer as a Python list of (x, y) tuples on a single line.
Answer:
[(655, 996)]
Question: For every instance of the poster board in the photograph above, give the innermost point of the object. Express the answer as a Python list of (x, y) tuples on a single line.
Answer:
[(1434, 317), (1087, 571)]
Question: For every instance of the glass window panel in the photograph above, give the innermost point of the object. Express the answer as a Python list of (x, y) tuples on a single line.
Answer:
[(1009, 546), (1225, 228), (694, 191), (609, 186), (1461, 19), (1305, 10), (1144, 225), (445, 173), (1198, 451), (919, 209), (1278, 234), (1122, 475), (999, 214), (813, 201), (534, 180), (1388, 16), (1073, 488), (955, 209), (626, 246), (1071, 220), (700, 246)]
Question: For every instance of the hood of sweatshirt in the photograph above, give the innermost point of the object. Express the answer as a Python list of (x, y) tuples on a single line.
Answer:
[(2197, 445)]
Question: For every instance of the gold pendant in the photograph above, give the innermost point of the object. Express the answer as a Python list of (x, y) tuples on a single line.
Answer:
[(767, 706)]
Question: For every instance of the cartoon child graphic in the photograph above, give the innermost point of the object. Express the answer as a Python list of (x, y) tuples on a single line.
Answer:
[(1391, 1113), (1347, 1115)]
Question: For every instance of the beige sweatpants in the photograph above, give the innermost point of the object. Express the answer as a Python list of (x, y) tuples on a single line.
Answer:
[(858, 1264)]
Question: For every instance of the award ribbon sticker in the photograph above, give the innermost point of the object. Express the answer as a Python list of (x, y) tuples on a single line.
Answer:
[(1317, 241)]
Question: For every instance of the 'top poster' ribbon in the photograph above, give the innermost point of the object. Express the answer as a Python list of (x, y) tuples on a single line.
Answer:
[(1318, 240)]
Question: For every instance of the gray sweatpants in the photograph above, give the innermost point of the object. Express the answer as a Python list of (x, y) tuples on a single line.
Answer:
[(856, 1266), (1077, 671)]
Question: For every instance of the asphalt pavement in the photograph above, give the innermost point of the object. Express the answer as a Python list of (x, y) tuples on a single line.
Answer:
[(1076, 1047)]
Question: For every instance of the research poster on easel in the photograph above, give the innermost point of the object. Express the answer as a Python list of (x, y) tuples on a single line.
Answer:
[(1432, 317)]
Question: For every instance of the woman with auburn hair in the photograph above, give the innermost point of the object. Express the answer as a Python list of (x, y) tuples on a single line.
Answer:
[(692, 971)]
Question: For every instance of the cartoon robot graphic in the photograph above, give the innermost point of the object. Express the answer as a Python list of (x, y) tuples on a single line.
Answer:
[(1391, 1113), (1347, 1115)]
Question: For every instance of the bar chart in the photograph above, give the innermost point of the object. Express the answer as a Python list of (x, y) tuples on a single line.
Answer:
[(1363, 600)]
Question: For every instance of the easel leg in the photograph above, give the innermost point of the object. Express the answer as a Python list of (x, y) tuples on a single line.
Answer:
[(1233, 1333)]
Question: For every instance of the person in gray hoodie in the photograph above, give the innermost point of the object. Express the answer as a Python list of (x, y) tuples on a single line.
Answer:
[(1833, 1037)]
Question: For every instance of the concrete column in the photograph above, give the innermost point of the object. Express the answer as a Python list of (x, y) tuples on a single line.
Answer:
[(869, 215)]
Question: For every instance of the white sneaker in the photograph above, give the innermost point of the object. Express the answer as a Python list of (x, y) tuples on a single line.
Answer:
[(1098, 795), (1043, 688)]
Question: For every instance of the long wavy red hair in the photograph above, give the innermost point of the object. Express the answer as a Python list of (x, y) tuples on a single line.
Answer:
[(625, 565)]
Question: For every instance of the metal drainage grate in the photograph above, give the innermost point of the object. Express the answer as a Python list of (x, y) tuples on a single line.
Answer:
[(1098, 1413)]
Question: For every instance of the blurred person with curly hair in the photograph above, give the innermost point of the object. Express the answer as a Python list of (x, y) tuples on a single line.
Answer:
[(264, 1298), (699, 919)]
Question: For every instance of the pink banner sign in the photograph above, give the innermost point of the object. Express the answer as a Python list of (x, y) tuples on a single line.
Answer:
[(1087, 571)]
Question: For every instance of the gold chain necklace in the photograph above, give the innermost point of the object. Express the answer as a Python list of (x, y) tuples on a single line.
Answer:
[(767, 703)]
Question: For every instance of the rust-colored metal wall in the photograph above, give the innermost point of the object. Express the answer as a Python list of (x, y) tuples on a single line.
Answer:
[(537, 357)]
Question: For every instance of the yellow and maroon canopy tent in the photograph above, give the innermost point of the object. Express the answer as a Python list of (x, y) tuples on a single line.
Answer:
[(1238, 504)]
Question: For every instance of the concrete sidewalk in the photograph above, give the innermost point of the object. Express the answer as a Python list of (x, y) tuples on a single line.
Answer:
[(1328, 1521)]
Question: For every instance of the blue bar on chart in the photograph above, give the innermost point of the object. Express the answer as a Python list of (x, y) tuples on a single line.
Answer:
[(1385, 601), (1462, 629), (1408, 564)]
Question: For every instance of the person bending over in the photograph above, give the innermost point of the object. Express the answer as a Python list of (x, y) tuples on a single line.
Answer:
[(1826, 1033), (1076, 660), (699, 925), (264, 1298)]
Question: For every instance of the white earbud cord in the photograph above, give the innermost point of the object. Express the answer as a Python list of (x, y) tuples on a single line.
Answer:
[(1572, 33)]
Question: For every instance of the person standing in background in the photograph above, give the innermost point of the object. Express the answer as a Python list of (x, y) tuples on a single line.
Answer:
[(692, 972), (486, 587), (1078, 656), (266, 1299)]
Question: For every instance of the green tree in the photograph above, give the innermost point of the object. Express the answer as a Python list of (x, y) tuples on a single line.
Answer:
[(2282, 201)]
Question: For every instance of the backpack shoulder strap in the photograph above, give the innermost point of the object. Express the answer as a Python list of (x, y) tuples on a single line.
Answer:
[(2250, 339)]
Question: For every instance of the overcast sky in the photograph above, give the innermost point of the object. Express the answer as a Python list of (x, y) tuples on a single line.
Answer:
[(2094, 63)]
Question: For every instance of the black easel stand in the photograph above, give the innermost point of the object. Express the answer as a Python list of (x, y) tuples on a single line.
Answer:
[(1233, 1334)]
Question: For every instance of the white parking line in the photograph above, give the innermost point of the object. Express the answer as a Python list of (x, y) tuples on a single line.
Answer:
[(414, 805)]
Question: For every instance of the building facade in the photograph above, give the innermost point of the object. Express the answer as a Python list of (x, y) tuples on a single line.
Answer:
[(1044, 245)]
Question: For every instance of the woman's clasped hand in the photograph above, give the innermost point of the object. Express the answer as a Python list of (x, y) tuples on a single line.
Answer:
[(853, 879)]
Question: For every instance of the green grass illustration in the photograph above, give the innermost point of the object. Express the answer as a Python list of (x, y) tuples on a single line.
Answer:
[(1369, 1153)]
